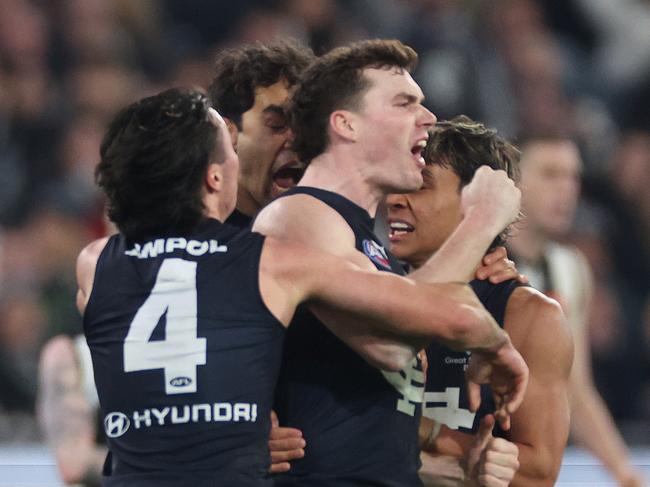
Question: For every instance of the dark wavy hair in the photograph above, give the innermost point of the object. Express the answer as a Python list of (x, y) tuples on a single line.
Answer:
[(239, 71), (463, 145), (154, 157), (335, 81)]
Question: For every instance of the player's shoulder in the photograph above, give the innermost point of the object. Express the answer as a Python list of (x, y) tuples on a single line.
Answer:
[(534, 317), (533, 301), (87, 259), (304, 218), (87, 263), (91, 252), (532, 312)]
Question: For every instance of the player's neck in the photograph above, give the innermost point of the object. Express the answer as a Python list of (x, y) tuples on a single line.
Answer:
[(246, 204), (529, 244), (342, 176)]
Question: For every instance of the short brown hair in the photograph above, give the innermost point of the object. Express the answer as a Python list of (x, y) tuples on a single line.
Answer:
[(463, 145), (335, 81), (239, 71)]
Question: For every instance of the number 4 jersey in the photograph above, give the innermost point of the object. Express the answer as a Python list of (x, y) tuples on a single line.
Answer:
[(186, 357)]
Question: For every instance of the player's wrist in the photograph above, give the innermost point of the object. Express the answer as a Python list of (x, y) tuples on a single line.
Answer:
[(429, 442), (483, 220), (498, 346)]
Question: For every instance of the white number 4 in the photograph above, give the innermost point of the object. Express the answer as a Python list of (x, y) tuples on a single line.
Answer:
[(173, 294), (451, 414)]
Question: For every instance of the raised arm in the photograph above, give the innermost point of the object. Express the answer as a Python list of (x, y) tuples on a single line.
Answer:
[(490, 203)]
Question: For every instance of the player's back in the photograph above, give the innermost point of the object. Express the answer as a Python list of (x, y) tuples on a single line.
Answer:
[(360, 423), (185, 357)]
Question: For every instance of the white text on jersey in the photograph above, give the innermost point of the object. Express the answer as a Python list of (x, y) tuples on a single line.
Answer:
[(159, 246)]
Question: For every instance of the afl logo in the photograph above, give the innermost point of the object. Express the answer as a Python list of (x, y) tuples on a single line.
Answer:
[(116, 424), (376, 253), (180, 381)]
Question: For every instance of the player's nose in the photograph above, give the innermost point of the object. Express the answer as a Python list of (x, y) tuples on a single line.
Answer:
[(289, 138), (427, 118), (396, 202)]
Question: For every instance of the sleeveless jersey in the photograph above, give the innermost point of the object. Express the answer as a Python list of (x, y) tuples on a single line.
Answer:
[(186, 357), (360, 423), (238, 219), (445, 399)]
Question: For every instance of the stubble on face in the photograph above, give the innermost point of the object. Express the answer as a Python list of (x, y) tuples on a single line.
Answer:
[(392, 125), (268, 166)]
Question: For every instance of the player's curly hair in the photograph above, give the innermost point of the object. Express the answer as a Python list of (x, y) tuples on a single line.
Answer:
[(463, 145), (154, 157), (239, 71), (335, 81)]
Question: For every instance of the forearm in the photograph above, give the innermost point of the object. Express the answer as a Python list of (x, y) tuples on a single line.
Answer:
[(459, 256), (535, 470), (441, 471), (68, 419), (438, 439), (408, 312), (593, 427)]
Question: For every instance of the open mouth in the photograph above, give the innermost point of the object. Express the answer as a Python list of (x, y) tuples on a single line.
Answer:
[(417, 151), (288, 176), (398, 228)]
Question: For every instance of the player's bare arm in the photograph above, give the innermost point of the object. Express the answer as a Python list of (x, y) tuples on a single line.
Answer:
[(65, 415), (450, 312), (539, 428), (487, 461), (594, 427), (490, 203), (86, 264)]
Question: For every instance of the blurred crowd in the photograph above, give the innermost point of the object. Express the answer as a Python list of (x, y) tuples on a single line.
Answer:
[(578, 67)]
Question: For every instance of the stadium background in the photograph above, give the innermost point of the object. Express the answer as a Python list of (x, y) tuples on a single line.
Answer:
[(580, 67)]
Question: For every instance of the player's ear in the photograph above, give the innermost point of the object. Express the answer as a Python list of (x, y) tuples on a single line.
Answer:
[(342, 124), (214, 178), (234, 131)]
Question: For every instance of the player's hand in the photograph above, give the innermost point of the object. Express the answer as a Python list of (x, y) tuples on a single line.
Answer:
[(492, 197), (285, 444), (506, 373), (498, 268), (491, 462)]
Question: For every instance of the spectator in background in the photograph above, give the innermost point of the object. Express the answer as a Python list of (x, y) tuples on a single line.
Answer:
[(550, 182)]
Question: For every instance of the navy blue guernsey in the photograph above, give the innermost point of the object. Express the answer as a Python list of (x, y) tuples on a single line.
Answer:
[(446, 395), (360, 424), (238, 219), (186, 357)]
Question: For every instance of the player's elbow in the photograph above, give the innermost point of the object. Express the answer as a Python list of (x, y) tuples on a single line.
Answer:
[(390, 357), (394, 360), (543, 471), (466, 325)]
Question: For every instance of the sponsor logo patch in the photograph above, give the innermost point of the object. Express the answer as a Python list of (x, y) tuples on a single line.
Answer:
[(376, 253), (116, 424)]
